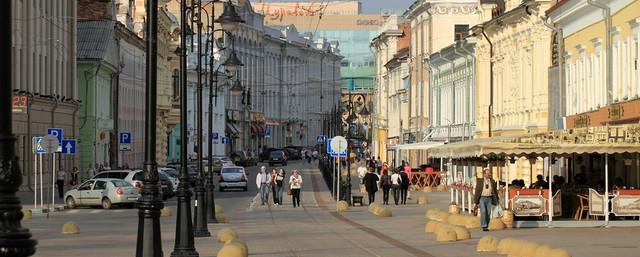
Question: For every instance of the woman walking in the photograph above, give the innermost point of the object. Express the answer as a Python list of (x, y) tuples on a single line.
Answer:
[(274, 175), (371, 184), (385, 183), (295, 184), (279, 186)]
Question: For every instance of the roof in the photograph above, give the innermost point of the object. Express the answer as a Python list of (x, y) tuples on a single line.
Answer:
[(94, 38)]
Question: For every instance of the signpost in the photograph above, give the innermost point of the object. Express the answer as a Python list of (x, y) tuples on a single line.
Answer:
[(337, 147), (267, 133), (69, 146), (125, 141), (320, 139), (57, 132), (225, 140)]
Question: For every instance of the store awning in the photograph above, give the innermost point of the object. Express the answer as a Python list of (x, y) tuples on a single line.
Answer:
[(232, 128), (415, 146), (472, 148), (596, 140)]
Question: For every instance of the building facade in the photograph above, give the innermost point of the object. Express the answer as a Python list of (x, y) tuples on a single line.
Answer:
[(452, 91), (44, 85)]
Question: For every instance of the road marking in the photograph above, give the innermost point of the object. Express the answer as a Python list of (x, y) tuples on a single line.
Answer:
[(253, 202)]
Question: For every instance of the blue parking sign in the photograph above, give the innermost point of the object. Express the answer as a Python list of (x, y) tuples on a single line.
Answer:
[(215, 135), (56, 132), (125, 138)]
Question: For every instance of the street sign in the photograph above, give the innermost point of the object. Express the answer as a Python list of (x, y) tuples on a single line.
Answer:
[(225, 140), (69, 146), (37, 145), (125, 141), (50, 143), (215, 135), (267, 132), (56, 132), (337, 146), (319, 139)]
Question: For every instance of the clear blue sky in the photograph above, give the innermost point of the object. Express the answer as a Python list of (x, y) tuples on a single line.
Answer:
[(368, 6)]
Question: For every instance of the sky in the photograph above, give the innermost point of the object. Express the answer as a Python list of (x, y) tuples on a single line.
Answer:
[(368, 6)]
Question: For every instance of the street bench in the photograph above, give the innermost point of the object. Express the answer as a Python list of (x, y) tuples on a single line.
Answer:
[(356, 199)]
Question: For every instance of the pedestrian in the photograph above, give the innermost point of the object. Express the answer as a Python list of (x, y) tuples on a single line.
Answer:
[(486, 195), (74, 176), (280, 185), (60, 179), (408, 171), (295, 184), (386, 186), (362, 171), (396, 182), (315, 155), (378, 164), (404, 186), (274, 176), (371, 185), (263, 181)]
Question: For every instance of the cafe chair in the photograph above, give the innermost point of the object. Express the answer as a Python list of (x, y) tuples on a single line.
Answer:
[(583, 207)]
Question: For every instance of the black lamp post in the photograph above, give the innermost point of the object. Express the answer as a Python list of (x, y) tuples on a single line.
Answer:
[(14, 239), (184, 242), (149, 242)]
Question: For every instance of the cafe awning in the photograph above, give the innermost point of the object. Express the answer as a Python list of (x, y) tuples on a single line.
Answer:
[(595, 140), (415, 146)]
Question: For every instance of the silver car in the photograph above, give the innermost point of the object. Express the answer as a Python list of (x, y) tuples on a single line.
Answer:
[(232, 177), (103, 191)]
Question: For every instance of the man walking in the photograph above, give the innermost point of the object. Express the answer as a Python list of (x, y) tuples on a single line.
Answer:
[(262, 181), (370, 182), (486, 195), (396, 182), (404, 186)]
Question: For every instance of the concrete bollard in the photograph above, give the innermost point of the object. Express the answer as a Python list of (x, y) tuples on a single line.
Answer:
[(226, 234), (231, 250), (427, 189), (528, 249), (218, 209), (373, 206), (462, 233), (383, 212), (487, 244), (472, 222), (422, 200), (542, 251), (496, 224), (222, 219), (432, 226), (70, 228), (26, 214), (166, 212), (342, 206), (445, 234), (559, 253), (240, 243), (504, 245)]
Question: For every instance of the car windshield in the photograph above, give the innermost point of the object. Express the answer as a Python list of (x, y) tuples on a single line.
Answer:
[(276, 154), (121, 183), (232, 170)]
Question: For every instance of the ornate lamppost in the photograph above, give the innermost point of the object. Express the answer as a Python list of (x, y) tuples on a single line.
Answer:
[(14, 239)]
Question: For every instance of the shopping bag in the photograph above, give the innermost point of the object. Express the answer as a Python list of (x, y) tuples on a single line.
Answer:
[(497, 212)]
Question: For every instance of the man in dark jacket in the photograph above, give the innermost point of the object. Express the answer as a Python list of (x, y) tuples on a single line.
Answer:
[(370, 182), (404, 186), (486, 195)]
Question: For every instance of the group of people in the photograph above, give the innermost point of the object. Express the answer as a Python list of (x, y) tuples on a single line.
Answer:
[(275, 182), (396, 181)]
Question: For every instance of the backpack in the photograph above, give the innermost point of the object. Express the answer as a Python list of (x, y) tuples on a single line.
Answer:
[(386, 180)]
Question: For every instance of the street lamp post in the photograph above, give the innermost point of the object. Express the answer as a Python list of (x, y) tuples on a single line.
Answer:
[(14, 239), (149, 243), (200, 205), (184, 242)]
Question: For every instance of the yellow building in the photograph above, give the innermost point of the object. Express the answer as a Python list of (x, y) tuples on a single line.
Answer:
[(513, 57)]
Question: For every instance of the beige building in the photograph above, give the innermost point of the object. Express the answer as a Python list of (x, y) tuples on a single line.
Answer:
[(44, 80)]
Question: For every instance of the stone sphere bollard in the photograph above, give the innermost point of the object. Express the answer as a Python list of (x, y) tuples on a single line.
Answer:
[(487, 244), (226, 234), (166, 212), (26, 214), (70, 228)]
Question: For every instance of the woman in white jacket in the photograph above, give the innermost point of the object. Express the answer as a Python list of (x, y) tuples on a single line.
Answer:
[(295, 184)]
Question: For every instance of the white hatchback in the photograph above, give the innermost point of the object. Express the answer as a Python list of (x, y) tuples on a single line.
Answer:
[(232, 177)]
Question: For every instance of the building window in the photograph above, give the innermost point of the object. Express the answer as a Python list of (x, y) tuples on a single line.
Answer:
[(176, 84), (460, 31)]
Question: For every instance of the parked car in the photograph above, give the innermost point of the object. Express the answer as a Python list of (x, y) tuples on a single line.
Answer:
[(136, 178), (243, 158), (278, 157), (232, 177), (293, 152), (220, 161), (172, 175), (266, 153), (104, 191)]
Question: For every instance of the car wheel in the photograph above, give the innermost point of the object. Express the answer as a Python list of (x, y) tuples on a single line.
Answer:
[(106, 203), (71, 203)]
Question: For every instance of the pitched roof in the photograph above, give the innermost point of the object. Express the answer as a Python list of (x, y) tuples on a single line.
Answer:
[(94, 38)]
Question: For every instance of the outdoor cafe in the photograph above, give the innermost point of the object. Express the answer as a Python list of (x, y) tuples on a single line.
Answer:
[(571, 178)]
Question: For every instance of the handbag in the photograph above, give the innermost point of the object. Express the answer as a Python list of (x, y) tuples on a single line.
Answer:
[(289, 191)]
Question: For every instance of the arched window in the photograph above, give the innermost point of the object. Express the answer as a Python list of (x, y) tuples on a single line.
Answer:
[(176, 83)]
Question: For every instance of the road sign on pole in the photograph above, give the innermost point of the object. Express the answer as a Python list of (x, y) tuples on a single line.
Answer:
[(215, 135), (56, 132), (267, 132), (50, 143), (125, 141), (37, 145), (69, 146), (225, 140), (337, 146), (320, 139)]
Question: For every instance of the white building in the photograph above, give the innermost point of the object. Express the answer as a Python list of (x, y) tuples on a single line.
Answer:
[(452, 92)]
